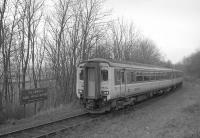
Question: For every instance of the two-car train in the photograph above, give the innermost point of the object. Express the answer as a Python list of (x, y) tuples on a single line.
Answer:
[(103, 84)]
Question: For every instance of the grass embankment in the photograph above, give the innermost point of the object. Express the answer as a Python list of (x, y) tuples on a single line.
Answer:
[(49, 114), (187, 124)]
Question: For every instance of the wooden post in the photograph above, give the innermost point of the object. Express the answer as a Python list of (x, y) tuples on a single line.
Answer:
[(24, 110)]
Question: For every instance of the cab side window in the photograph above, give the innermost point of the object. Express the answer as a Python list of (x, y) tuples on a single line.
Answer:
[(81, 75), (104, 75)]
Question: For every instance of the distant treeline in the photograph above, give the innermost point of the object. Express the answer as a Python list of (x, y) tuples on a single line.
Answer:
[(191, 64)]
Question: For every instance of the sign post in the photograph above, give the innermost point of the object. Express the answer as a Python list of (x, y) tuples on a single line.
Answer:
[(35, 107), (33, 96), (24, 110)]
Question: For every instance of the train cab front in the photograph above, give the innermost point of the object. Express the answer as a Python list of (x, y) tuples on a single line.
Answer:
[(92, 85)]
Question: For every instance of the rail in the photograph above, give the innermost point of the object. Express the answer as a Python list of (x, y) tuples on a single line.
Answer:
[(25, 130)]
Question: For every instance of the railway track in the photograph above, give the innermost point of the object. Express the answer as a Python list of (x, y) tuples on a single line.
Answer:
[(52, 128)]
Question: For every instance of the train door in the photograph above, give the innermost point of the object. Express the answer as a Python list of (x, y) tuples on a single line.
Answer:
[(91, 82), (123, 83)]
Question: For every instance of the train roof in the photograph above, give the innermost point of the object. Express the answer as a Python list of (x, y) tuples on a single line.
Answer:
[(128, 64)]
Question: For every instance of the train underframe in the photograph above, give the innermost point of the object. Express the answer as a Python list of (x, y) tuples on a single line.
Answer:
[(102, 105)]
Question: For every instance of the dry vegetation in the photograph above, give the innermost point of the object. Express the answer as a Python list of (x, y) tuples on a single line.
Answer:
[(191, 64)]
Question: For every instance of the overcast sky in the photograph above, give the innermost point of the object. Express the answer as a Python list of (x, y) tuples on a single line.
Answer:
[(174, 25)]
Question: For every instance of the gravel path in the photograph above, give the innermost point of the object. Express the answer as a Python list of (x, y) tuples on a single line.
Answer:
[(174, 115)]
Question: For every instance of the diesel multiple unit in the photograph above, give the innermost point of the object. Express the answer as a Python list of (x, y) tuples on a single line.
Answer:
[(103, 84)]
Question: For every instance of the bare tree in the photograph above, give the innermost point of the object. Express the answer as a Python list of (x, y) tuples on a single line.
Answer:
[(2, 38), (123, 38), (74, 30), (92, 23), (30, 19), (129, 45), (58, 46), (147, 52)]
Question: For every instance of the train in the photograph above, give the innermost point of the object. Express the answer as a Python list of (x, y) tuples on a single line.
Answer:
[(105, 84)]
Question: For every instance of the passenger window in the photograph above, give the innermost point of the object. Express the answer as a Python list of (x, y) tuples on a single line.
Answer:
[(146, 77), (117, 77), (139, 77), (104, 75), (166, 75), (161, 76), (128, 77), (174, 74), (179, 74), (171, 75), (81, 75), (132, 76), (157, 76), (153, 77), (122, 75)]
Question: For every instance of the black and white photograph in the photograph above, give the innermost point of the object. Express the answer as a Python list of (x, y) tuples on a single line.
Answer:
[(99, 68)]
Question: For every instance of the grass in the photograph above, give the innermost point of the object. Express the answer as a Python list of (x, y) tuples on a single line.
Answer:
[(45, 115), (192, 109)]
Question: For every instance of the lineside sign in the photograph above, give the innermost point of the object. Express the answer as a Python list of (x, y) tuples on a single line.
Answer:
[(33, 95)]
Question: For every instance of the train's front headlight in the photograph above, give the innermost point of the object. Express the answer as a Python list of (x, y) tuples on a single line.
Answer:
[(80, 91), (105, 92)]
